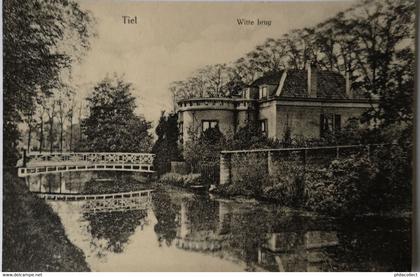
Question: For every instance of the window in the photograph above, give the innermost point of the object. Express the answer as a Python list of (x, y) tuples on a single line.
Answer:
[(209, 124), (329, 123), (246, 93), (263, 92), (263, 127)]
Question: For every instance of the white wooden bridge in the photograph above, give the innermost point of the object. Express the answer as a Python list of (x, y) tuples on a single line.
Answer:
[(44, 163)]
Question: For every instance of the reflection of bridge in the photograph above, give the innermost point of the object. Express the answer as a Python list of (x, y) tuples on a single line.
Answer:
[(108, 202), (43, 163)]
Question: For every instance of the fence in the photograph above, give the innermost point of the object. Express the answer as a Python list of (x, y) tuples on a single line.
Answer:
[(274, 160)]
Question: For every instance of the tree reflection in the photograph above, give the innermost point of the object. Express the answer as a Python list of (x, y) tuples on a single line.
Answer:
[(202, 213), (374, 245), (113, 182), (248, 233), (115, 228), (166, 214)]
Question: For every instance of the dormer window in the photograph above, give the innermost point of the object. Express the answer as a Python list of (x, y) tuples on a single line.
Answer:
[(263, 92)]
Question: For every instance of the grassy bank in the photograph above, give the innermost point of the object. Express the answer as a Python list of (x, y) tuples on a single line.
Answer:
[(33, 236)]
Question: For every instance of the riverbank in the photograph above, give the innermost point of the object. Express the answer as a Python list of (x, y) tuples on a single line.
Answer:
[(33, 235)]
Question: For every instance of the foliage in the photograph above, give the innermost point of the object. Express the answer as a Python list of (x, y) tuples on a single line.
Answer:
[(119, 181), (166, 146), (166, 214), (112, 125), (210, 81), (362, 184), (286, 183), (35, 33), (178, 180), (203, 147), (342, 188), (395, 176), (249, 137), (245, 181), (114, 227)]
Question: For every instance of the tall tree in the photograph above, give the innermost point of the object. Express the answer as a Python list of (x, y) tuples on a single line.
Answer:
[(382, 29), (166, 146), (112, 125), (34, 33)]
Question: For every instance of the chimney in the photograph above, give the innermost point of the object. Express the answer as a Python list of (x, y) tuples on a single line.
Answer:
[(312, 80), (349, 93)]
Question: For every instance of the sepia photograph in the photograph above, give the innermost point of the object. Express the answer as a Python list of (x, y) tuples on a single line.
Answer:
[(208, 136)]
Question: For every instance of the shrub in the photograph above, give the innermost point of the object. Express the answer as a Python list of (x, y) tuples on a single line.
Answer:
[(287, 193), (185, 181), (394, 178), (172, 179), (343, 188), (248, 175)]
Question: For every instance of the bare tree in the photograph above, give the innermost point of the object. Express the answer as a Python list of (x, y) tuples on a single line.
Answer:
[(51, 113), (70, 116), (29, 119), (62, 105)]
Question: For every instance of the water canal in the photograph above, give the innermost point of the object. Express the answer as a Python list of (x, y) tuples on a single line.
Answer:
[(182, 231)]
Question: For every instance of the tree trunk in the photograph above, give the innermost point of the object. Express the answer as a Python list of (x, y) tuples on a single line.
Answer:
[(80, 126), (71, 132), (61, 136), (41, 137), (29, 138), (51, 134)]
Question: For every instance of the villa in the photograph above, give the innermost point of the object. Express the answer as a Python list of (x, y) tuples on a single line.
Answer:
[(307, 102)]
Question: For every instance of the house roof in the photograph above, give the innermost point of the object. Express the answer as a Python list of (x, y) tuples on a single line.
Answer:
[(270, 78), (330, 84)]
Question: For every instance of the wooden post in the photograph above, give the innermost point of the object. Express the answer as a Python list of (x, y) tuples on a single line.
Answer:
[(338, 152)]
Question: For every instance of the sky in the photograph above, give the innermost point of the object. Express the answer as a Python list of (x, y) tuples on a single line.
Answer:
[(172, 39)]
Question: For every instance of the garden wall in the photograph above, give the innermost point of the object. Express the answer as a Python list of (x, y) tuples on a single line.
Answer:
[(280, 163)]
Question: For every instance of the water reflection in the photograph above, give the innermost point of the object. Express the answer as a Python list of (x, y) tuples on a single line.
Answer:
[(68, 182), (87, 182), (166, 213), (180, 231), (112, 230), (265, 238)]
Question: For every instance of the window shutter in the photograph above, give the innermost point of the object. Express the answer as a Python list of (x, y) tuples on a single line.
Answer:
[(321, 125)]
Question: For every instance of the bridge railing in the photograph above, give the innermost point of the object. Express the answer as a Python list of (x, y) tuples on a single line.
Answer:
[(44, 163), (35, 159)]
